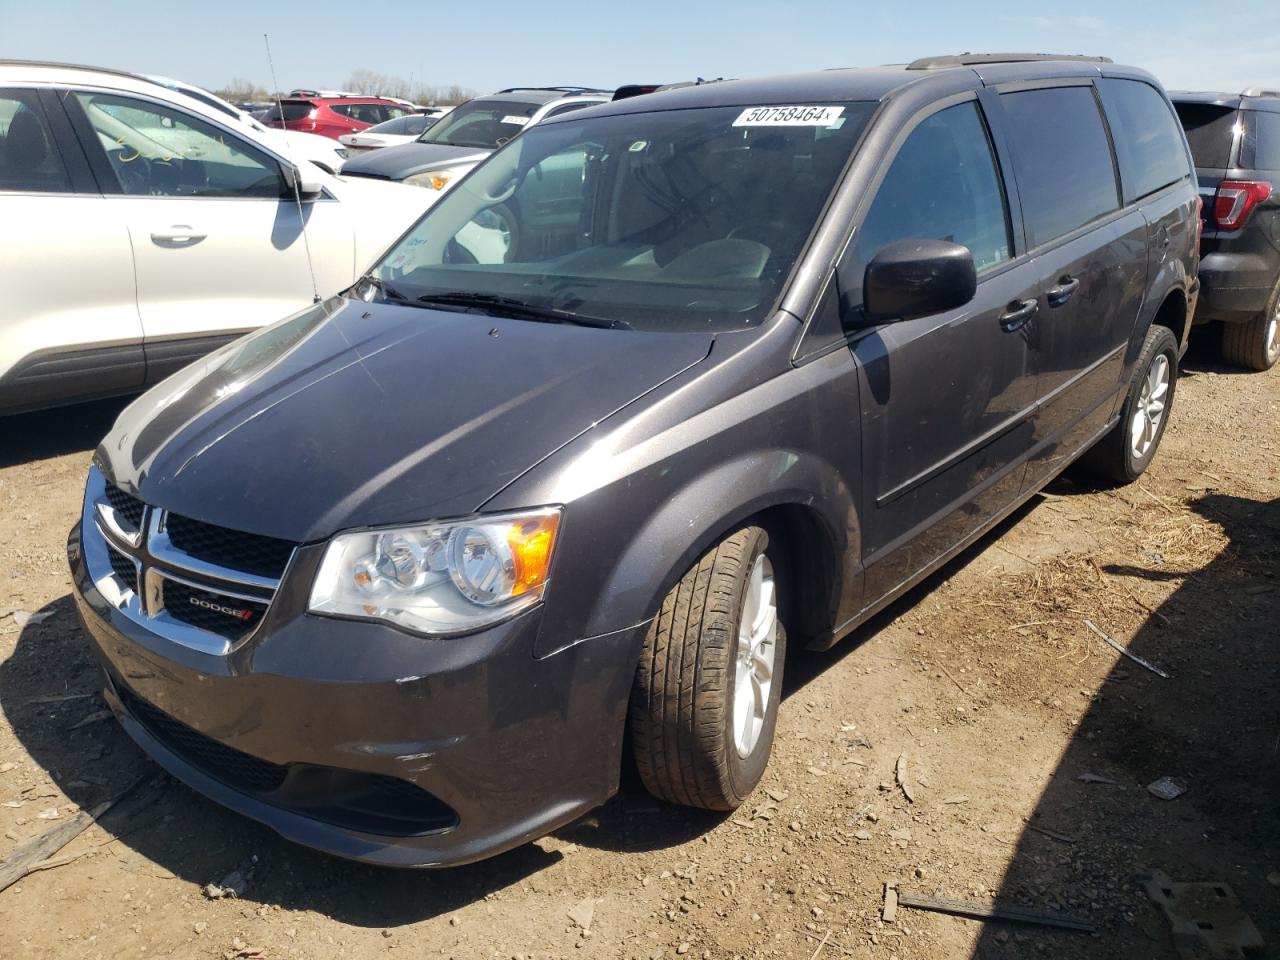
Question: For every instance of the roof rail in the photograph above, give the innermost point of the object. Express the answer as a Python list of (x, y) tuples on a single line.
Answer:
[(974, 59), (74, 66), (1259, 92), (557, 89)]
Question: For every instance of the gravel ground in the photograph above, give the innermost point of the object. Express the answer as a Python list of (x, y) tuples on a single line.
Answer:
[(986, 680)]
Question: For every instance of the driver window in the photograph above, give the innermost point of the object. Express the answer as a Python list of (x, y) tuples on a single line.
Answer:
[(158, 151), (942, 185)]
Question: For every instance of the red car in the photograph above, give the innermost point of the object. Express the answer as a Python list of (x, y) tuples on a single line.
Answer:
[(332, 116)]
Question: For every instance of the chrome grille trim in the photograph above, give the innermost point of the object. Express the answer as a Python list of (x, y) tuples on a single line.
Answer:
[(158, 561)]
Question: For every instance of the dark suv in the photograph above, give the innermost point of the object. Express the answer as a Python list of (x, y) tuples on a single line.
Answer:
[(659, 389), (1235, 140)]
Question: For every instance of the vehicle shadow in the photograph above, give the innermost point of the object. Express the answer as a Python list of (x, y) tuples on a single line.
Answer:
[(60, 719), (1214, 725), (28, 437)]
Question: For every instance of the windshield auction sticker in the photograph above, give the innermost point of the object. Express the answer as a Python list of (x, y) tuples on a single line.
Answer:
[(518, 121), (788, 117)]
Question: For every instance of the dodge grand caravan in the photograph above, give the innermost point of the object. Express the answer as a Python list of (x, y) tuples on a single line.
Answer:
[(660, 389)]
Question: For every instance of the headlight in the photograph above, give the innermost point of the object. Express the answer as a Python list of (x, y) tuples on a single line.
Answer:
[(434, 179), (441, 578)]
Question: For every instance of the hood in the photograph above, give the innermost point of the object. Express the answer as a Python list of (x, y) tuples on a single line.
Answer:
[(358, 414), (396, 163)]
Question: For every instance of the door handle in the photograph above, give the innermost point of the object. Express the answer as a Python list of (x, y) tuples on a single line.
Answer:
[(1017, 314), (1060, 293), (180, 234)]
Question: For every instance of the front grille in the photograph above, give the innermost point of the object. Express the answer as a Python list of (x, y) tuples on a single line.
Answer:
[(123, 568), (236, 618), (248, 552), (231, 766), (126, 505)]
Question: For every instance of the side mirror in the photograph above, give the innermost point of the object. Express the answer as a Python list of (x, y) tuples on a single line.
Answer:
[(916, 278), (295, 179)]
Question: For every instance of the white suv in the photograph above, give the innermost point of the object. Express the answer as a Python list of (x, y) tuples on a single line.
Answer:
[(142, 228)]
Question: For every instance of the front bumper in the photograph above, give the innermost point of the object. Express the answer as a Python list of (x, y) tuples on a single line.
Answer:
[(1235, 287), (508, 747)]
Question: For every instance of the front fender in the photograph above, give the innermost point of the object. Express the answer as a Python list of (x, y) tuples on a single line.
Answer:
[(647, 495)]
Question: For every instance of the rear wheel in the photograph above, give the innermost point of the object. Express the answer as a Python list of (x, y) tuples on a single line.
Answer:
[(705, 700), (1254, 345), (1124, 453)]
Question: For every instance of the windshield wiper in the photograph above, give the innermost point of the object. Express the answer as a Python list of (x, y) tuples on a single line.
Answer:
[(519, 309)]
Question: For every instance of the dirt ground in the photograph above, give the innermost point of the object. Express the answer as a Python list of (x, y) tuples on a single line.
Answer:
[(986, 679)]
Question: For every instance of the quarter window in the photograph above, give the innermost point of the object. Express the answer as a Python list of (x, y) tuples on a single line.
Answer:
[(1260, 149), (942, 185), (1149, 143), (1061, 159), (29, 161), (155, 150)]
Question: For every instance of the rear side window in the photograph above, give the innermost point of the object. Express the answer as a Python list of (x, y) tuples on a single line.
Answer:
[(942, 185), (1147, 137), (1210, 130), (1061, 158), (29, 161), (1260, 148)]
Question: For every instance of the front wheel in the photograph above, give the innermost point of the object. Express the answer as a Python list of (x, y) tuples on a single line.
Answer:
[(705, 700), (1124, 453)]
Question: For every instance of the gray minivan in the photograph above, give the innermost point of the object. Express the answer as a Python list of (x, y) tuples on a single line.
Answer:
[(660, 389)]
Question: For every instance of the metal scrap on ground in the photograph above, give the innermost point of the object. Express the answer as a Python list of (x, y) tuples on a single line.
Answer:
[(982, 911), (1125, 650), (1206, 919)]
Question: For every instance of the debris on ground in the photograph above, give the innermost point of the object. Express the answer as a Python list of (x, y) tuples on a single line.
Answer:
[(901, 772), (92, 718), (1206, 919), (889, 912), (20, 860), (583, 912), (22, 617), (1095, 778), (1167, 788), (242, 951), (1117, 645), (982, 911), (1051, 834), (233, 885)]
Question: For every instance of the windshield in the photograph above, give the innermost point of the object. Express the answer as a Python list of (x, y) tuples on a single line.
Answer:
[(672, 220), (407, 126), (484, 124)]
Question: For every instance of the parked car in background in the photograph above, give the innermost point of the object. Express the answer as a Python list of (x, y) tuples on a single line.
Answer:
[(469, 133), (295, 145), (146, 227), (333, 116), (1235, 139), (733, 382), (404, 129)]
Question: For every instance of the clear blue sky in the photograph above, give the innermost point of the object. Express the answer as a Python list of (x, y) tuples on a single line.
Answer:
[(489, 45)]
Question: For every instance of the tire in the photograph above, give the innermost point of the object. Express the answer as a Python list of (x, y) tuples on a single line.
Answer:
[(1254, 345), (682, 704), (1121, 456)]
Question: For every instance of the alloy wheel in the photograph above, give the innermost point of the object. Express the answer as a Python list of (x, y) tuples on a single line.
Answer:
[(1150, 408), (754, 656)]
